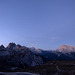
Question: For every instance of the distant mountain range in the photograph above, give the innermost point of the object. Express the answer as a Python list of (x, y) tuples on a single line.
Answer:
[(15, 56), (63, 52)]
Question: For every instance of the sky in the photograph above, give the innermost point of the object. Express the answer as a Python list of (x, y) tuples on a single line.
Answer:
[(44, 24)]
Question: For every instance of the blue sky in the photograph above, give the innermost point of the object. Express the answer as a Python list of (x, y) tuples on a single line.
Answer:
[(44, 24)]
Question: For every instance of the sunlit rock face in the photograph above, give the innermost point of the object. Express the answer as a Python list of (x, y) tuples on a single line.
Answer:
[(65, 49), (34, 50)]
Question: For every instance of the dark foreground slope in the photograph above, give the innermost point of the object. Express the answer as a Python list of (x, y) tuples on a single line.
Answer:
[(54, 68), (50, 68)]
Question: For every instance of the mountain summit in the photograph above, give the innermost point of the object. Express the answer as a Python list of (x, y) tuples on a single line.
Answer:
[(65, 49)]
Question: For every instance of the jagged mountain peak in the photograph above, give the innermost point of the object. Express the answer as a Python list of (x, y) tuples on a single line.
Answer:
[(2, 46), (32, 48), (11, 45), (66, 48)]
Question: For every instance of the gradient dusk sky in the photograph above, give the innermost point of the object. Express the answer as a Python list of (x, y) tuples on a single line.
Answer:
[(44, 24)]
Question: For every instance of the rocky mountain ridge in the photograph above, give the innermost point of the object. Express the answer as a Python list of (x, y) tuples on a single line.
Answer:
[(18, 56), (63, 52)]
